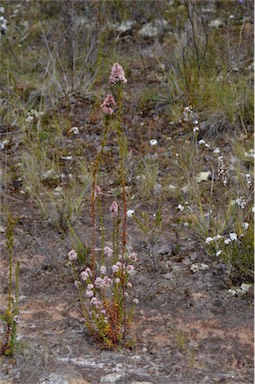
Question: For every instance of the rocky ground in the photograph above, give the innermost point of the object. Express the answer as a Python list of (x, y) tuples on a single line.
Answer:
[(188, 328)]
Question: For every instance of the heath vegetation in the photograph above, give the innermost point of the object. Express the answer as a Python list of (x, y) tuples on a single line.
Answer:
[(126, 137)]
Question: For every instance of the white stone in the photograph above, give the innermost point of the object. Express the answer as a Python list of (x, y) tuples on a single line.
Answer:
[(203, 176), (111, 378)]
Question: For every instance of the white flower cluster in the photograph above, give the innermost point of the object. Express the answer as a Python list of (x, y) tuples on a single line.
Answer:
[(3, 22), (240, 201), (187, 113), (209, 240), (33, 114)]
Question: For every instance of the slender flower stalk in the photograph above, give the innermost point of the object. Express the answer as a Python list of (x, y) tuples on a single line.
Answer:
[(104, 288)]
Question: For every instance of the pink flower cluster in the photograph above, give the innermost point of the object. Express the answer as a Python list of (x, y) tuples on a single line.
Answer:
[(85, 274), (114, 209), (72, 255), (89, 292), (103, 283), (109, 105), (117, 74), (97, 191), (108, 251)]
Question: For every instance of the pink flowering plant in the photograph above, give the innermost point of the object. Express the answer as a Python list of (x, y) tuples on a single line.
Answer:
[(104, 287)]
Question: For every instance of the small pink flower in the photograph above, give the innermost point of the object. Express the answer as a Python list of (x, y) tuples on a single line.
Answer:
[(90, 286), (135, 301), (95, 302), (115, 268), (108, 251), (99, 282), (129, 285), (114, 209), (89, 293), (109, 105), (72, 255), (103, 269), (85, 274), (117, 74), (117, 280), (133, 256), (107, 281), (97, 191), (119, 264), (130, 269)]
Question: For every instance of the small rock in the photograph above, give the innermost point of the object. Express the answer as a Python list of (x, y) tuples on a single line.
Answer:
[(125, 26), (203, 176), (141, 382), (168, 276), (111, 378), (246, 287), (154, 29), (185, 189), (198, 266), (54, 378), (216, 23)]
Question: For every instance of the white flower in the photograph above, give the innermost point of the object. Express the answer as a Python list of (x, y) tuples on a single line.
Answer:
[(217, 237), (74, 130), (195, 122), (216, 150), (232, 292), (201, 142), (245, 226), (29, 119), (153, 142), (130, 212), (241, 202), (227, 241), (219, 253), (208, 240), (253, 209), (233, 236), (180, 207), (196, 129), (135, 301), (2, 9)]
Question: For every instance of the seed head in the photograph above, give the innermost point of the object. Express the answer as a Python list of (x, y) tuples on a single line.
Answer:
[(109, 105), (114, 209), (117, 74)]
